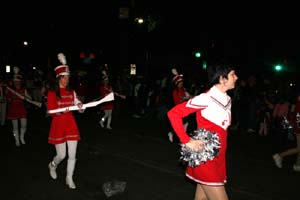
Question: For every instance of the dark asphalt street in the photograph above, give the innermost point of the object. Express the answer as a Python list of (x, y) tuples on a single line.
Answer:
[(137, 153)]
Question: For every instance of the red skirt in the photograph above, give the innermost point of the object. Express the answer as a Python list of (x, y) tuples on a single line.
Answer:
[(16, 110), (212, 172), (63, 128)]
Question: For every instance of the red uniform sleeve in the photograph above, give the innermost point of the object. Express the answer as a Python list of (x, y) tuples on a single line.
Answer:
[(176, 115), (52, 102), (176, 97)]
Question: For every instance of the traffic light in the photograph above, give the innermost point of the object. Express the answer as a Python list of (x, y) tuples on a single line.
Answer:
[(278, 68), (204, 66), (197, 54)]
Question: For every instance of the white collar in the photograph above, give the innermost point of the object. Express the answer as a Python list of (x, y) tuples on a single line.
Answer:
[(222, 97)]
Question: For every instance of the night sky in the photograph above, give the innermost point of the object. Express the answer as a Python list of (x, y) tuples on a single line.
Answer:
[(244, 33)]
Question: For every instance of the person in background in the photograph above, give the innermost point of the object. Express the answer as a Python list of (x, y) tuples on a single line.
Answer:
[(64, 133), (2, 102), (213, 113), (16, 111), (280, 109), (107, 107), (179, 95)]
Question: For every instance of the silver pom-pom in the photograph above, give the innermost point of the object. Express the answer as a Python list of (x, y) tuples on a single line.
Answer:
[(288, 128), (285, 123), (209, 151), (298, 120)]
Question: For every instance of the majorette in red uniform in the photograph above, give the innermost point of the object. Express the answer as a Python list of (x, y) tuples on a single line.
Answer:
[(63, 131), (179, 92), (213, 113), (63, 126), (104, 89), (16, 107)]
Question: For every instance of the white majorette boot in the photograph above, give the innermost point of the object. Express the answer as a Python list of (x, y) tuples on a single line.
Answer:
[(101, 122), (170, 135), (108, 123), (52, 170), (278, 160), (17, 139), (70, 171), (22, 136)]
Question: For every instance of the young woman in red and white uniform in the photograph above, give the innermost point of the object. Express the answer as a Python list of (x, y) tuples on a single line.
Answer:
[(16, 108), (179, 93), (213, 113), (63, 130), (105, 89)]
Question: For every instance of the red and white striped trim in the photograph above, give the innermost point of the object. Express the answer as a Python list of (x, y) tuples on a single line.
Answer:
[(206, 183), (62, 70)]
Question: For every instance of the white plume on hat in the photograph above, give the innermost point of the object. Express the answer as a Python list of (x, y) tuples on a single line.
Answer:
[(64, 68), (177, 77), (62, 58), (174, 71)]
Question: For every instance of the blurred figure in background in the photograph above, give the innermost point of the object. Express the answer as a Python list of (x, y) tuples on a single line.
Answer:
[(179, 95), (2, 102), (107, 107), (295, 121), (16, 108)]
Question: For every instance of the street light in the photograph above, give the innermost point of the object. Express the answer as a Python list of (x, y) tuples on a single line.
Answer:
[(7, 68), (139, 20)]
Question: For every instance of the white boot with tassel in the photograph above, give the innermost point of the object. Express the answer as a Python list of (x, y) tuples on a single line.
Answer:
[(70, 171)]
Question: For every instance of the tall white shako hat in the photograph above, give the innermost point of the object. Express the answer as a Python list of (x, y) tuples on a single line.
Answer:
[(177, 77), (64, 68), (17, 76)]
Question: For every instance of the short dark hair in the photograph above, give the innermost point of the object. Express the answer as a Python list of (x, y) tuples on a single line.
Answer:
[(217, 71)]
